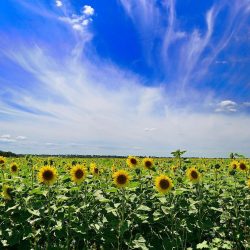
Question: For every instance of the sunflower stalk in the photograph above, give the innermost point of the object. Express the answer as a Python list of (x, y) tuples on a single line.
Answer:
[(68, 229), (236, 209), (32, 177), (199, 195), (122, 219), (49, 218)]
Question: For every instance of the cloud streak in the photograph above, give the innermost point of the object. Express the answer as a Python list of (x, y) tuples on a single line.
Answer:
[(186, 54)]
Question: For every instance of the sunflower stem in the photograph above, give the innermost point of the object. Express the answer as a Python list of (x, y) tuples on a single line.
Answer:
[(49, 218), (120, 236), (236, 208), (32, 177)]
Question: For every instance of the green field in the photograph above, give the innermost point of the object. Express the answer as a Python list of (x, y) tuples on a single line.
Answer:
[(86, 203)]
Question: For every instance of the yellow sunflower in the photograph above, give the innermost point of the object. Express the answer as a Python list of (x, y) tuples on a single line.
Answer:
[(94, 169), (193, 175), (148, 163), (78, 173), (121, 178), (67, 167), (242, 166), (248, 182), (234, 164), (2, 160), (132, 161), (174, 168), (7, 192), (113, 168), (163, 184), (47, 175), (13, 168)]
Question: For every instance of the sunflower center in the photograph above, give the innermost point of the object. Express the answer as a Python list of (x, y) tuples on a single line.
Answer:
[(242, 166), (96, 170), (133, 161), (1, 161), (9, 191), (194, 174), (121, 179), (79, 174), (164, 184), (234, 166), (48, 175), (148, 164), (14, 168)]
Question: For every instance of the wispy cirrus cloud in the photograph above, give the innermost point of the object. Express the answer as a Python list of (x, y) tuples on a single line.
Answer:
[(86, 113), (186, 52)]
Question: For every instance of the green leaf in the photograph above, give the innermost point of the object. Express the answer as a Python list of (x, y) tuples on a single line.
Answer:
[(144, 208), (12, 208), (34, 212), (202, 245), (112, 190), (162, 199), (39, 191)]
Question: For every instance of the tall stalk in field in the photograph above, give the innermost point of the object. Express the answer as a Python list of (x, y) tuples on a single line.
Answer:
[(178, 156)]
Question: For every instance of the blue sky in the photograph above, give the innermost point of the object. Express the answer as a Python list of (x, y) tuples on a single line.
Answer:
[(125, 77)]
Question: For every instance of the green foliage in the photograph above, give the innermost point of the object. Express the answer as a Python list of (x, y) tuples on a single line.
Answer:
[(213, 214)]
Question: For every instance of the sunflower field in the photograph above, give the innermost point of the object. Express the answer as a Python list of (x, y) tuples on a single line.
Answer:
[(130, 203)]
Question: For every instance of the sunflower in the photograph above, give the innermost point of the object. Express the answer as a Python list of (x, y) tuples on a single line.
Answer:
[(234, 164), (35, 167), (113, 168), (193, 175), (13, 168), (248, 183), (148, 163), (132, 161), (78, 174), (242, 166), (67, 167), (174, 168), (121, 178), (163, 184), (47, 175), (7, 192), (2, 160), (94, 170)]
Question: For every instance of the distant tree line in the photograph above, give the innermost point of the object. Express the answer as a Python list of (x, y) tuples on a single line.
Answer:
[(8, 154)]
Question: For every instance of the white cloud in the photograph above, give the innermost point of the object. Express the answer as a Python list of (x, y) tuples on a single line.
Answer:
[(226, 106), (88, 10), (59, 3), (21, 137), (149, 129), (78, 22), (7, 140), (7, 136)]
